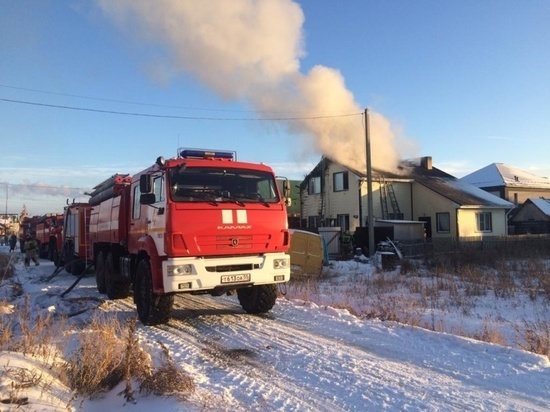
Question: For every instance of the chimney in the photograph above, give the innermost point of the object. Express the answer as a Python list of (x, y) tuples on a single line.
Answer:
[(426, 162)]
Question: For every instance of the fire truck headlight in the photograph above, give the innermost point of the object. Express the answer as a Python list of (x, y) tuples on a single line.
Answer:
[(280, 263), (179, 270)]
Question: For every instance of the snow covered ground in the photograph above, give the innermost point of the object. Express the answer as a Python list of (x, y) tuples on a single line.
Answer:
[(305, 355)]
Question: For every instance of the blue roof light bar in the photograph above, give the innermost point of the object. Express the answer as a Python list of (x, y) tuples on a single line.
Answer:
[(206, 154)]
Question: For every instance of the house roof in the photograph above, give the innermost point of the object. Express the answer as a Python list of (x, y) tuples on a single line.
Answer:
[(542, 203), (499, 174), (456, 190), (448, 186)]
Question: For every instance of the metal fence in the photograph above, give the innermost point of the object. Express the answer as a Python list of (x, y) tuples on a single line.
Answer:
[(518, 245)]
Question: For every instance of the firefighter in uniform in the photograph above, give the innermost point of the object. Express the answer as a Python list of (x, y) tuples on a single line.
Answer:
[(31, 250), (346, 243), (13, 242)]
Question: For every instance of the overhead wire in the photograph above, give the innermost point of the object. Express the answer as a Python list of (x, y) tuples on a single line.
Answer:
[(177, 116), (116, 100)]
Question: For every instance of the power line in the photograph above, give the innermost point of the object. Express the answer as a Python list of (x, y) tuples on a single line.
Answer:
[(120, 101), (162, 105), (176, 117)]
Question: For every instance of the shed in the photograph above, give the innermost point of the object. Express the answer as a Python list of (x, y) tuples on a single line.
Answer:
[(404, 230)]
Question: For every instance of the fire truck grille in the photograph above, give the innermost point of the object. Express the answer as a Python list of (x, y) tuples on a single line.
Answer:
[(230, 268), (250, 243)]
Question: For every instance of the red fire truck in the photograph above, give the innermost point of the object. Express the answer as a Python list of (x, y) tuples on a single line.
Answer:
[(76, 252), (27, 226), (199, 223), (49, 229), (46, 230)]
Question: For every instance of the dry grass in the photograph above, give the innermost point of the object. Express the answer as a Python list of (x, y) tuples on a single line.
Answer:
[(421, 293), (168, 379), (7, 263), (534, 336), (31, 334), (108, 354)]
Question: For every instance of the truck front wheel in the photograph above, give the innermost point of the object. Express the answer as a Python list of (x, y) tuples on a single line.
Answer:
[(257, 299), (152, 309)]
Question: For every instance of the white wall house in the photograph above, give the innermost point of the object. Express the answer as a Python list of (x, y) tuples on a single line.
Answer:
[(333, 195), (509, 183)]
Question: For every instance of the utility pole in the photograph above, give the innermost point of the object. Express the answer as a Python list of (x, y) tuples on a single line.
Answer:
[(370, 201), (7, 200)]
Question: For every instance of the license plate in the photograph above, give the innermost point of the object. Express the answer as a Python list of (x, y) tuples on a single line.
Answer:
[(245, 277)]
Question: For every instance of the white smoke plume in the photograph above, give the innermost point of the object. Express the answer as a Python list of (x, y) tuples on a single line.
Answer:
[(249, 51)]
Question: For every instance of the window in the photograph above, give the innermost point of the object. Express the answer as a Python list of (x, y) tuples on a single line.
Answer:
[(136, 208), (313, 221), (340, 181), (484, 222), (314, 185), (343, 221), (443, 222), (158, 187), (221, 184)]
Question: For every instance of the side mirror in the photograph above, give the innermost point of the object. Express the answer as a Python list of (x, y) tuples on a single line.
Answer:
[(145, 185), (286, 192), (286, 187), (147, 198)]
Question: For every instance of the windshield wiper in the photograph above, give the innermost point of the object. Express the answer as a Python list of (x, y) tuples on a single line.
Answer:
[(226, 195), (257, 198), (211, 197)]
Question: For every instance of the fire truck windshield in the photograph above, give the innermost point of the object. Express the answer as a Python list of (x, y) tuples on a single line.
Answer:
[(223, 184)]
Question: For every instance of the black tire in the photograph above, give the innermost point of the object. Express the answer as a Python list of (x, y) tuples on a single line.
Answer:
[(52, 249), (78, 266), (152, 309), (257, 299), (69, 266), (100, 272), (42, 251), (68, 256), (115, 289), (56, 259)]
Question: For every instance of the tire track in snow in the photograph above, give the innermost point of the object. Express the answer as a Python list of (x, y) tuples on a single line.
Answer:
[(249, 380), (285, 366), (329, 365), (243, 363)]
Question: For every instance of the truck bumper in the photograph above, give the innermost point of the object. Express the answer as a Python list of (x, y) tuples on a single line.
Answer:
[(201, 274)]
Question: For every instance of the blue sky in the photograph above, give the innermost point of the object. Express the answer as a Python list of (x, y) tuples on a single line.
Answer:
[(93, 88)]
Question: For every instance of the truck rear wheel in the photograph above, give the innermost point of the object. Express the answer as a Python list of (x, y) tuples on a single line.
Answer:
[(100, 272), (152, 309), (68, 256), (115, 289), (257, 299)]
